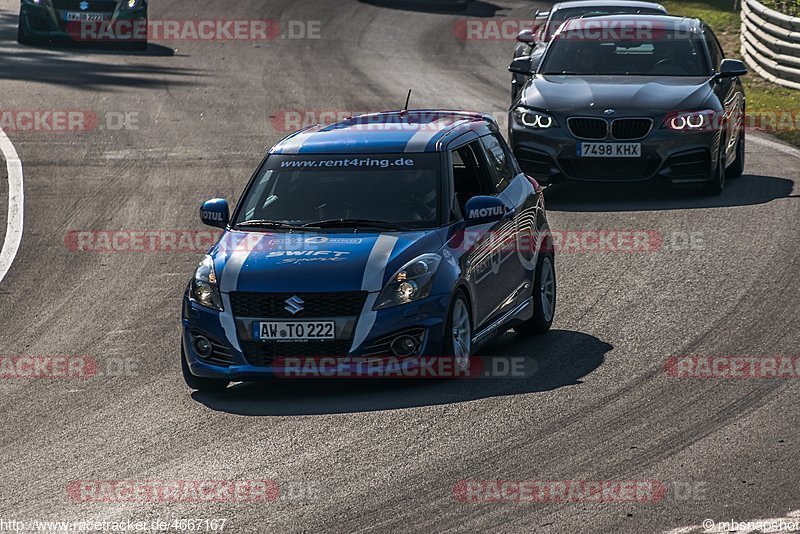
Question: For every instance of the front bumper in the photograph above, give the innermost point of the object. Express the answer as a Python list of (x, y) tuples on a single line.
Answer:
[(677, 157), (236, 360), (46, 21)]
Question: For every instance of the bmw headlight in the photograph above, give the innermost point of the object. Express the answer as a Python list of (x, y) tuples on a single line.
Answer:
[(205, 290), (412, 282), (692, 121), (536, 120)]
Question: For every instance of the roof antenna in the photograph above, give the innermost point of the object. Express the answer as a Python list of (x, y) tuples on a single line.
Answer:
[(405, 108)]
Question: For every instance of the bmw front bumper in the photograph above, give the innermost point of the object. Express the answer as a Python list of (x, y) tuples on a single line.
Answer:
[(677, 157)]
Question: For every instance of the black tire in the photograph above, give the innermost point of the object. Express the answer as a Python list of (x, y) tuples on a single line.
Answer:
[(541, 321), (198, 382), (717, 182), (736, 168), (22, 37), (449, 343)]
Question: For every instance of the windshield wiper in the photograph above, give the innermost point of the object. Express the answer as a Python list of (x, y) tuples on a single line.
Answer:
[(332, 223), (263, 223)]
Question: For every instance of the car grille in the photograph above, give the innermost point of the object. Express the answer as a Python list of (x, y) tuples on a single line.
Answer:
[(630, 128), (95, 6), (272, 305), (534, 162), (220, 355), (610, 168), (588, 128), (261, 353), (697, 162), (382, 346)]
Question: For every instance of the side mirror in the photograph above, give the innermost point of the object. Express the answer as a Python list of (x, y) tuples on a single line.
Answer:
[(527, 36), (732, 67), (522, 65), (484, 209), (215, 212)]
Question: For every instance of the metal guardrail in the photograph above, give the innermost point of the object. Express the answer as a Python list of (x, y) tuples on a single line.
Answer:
[(771, 43)]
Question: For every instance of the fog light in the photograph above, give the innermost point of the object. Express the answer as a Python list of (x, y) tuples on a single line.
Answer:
[(203, 346), (404, 346)]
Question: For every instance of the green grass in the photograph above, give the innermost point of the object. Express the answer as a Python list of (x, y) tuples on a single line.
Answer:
[(762, 96)]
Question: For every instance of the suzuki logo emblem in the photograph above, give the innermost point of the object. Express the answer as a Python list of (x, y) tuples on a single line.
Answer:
[(84, 5), (294, 305)]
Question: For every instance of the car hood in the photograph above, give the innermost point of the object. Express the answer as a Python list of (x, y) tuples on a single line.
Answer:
[(283, 262), (624, 94)]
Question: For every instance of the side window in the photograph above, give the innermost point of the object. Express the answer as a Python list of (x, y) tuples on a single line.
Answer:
[(500, 161), (471, 175), (714, 48)]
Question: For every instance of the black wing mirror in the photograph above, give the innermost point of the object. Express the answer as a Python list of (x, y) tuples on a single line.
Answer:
[(732, 67), (527, 36), (522, 65)]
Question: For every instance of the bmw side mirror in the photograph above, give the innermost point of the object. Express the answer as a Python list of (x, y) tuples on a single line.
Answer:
[(522, 65), (526, 36), (215, 212), (484, 209), (732, 67)]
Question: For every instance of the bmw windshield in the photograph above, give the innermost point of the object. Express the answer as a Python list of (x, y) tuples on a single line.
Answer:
[(386, 191), (592, 48)]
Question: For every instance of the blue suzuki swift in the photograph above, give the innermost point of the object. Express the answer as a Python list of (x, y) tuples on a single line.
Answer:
[(401, 234)]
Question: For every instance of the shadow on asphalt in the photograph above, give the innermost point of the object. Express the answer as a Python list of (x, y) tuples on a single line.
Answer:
[(54, 63), (746, 190), (476, 8), (557, 359)]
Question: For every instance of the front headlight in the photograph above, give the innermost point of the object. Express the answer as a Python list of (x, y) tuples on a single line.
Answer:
[(35, 3), (692, 121), (536, 120), (205, 290), (132, 4), (412, 282)]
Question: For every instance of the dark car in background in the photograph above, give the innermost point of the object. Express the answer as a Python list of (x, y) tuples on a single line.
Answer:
[(532, 42), (66, 20), (631, 98)]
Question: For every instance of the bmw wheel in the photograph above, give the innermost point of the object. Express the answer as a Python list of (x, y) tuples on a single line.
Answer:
[(544, 297), (198, 382), (737, 167), (458, 331), (22, 37), (717, 183)]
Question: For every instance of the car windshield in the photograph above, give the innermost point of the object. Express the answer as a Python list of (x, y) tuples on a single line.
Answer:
[(388, 191), (562, 15), (635, 51)]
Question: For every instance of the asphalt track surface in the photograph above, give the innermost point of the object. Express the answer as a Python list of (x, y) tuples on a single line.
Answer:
[(386, 456)]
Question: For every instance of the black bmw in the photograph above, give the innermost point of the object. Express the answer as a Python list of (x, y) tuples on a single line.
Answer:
[(631, 98)]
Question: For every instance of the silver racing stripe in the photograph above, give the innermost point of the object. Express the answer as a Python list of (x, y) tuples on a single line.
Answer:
[(229, 280), (373, 282), (420, 139)]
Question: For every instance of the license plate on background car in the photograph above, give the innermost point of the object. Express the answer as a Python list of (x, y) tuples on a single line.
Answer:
[(610, 150), (294, 330), (78, 15)]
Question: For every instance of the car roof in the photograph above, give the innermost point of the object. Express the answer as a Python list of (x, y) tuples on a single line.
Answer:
[(387, 132), (674, 20), (607, 3)]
